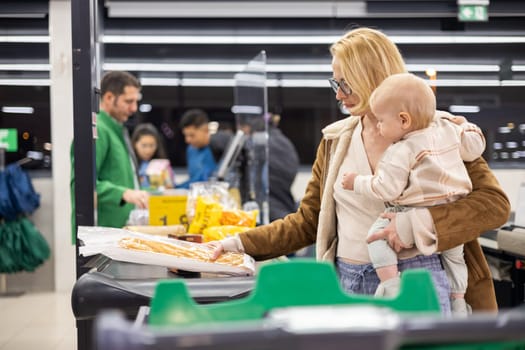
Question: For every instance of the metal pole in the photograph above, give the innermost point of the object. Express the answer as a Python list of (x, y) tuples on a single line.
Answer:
[(84, 107)]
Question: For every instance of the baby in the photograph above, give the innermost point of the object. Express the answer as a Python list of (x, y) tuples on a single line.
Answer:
[(422, 167)]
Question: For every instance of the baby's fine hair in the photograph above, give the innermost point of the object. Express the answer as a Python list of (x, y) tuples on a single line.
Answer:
[(408, 93)]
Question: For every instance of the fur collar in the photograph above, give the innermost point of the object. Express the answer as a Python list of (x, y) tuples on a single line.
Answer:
[(337, 128)]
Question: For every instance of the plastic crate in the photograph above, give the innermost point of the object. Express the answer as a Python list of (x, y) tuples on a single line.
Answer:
[(285, 284)]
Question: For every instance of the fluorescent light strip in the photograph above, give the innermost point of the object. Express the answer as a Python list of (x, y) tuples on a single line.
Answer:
[(26, 67), (303, 39), (513, 83), (278, 68), (229, 9), (442, 39), (518, 68), (18, 110), (274, 39), (175, 67), (208, 82), (24, 38), (23, 15), (463, 109), (160, 81), (443, 67), (25, 82), (217, 39), (300, 83), (271, 68), (463, 82), (231, 82), (270, 82), (238, 109)]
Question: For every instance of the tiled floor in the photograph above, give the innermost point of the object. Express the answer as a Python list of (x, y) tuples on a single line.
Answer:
[(42, 321)]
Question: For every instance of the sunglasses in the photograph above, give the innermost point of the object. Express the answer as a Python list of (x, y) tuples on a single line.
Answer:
[(336, 85)]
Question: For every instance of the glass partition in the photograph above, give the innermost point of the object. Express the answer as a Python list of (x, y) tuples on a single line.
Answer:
[(251, 111)]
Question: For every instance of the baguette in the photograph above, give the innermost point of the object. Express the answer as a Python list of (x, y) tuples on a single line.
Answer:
[(175, 230), (192, 252)]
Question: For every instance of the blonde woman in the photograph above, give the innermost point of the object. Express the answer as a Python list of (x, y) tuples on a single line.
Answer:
[(338, 220)]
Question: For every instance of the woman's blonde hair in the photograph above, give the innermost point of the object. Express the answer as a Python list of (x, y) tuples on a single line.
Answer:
[(367, 57)]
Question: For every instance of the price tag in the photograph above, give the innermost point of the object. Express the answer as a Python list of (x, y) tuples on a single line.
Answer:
[(167, 210)]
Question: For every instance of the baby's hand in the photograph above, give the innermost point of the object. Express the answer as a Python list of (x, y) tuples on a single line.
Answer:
[(348, 181), (458, 119)]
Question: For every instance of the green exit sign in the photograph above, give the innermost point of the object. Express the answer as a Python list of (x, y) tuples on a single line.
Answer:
[(9, 139), (472, 13)]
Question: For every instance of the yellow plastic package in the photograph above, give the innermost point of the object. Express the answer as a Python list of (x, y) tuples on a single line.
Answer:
[(208, 213), (239, 217), (216, 233)]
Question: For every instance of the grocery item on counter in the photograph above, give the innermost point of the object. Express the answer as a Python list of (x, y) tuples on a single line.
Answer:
[(216, 233), (175, 254), (193, 251), (174, 230)]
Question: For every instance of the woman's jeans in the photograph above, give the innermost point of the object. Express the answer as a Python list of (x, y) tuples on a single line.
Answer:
[(362, 279)]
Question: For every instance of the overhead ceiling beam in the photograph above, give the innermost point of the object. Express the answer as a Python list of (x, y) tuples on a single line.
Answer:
[(301, 9), (24, 9), (234, 9)]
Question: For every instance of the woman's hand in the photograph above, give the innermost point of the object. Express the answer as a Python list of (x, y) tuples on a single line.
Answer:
[(217, 247), (389, 234)]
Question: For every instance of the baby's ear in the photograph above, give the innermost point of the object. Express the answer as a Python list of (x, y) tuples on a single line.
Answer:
[(406, 120)]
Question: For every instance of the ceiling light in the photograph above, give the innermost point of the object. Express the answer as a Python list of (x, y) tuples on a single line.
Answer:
[(463, 82), (301, 39), (239, 109), (145, 108), (270, 68), (229, 9), (304, 83), (218, 39), (207, 82), (444, 67), (17, 110), (452, 39), (23, 15), (513, 83), (463, 109), (25, 67), (311, 83), (24, 38), (431, 73), (173, 67), (25, 82), (159, 81), (518, 68)]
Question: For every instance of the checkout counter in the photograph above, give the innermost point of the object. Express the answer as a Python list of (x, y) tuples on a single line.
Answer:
[(325, 318), (126, 287), (505, 253)]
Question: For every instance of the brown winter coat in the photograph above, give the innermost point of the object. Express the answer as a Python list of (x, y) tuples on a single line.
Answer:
[(460, 222)]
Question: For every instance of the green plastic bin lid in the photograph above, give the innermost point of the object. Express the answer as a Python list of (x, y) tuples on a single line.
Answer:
[(284, 284)]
